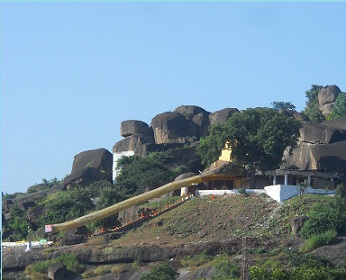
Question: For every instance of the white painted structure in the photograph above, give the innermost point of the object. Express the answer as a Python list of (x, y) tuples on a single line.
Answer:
[(279, 193), (116, 157)]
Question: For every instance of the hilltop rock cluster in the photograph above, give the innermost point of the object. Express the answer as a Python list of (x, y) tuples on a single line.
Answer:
[(320, 147)]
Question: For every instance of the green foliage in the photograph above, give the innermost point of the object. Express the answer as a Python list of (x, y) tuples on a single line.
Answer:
[(274, 273), (210, 147), (11, 196), (46, 184), (161, 271), (258, 138), (226, 269), (140, 174), (283, 105), (312, 110), (17, 224), (195, 260), (69, 260), (72, 204), (327, 216), (322, 217), (339, 109), (299, 273), (315, 241)]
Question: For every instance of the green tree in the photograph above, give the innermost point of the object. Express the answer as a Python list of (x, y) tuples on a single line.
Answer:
[(140, 174), (311, 109), (258, 138), (280, 105), (73, 203), (327, 216), (339, 109), (17, 224), (160, 271)]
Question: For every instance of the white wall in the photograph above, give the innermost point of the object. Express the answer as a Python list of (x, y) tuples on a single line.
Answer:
[(279, 193)]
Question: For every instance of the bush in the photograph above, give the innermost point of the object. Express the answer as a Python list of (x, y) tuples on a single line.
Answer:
[(315, 241), (160, 271), (195, 260), (300, 273), (37, 269), (323, 217), (227, 270)]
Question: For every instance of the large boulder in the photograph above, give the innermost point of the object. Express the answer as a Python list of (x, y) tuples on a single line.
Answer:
[(133, 143), (337, 123), (222, 116), (197, 115), (57, 271), (326, 99), (328, 94), (173, 127), (326, 157), (90, 166), (202, 121), (6, 205), (189, 111), (321, 134), (130, 127), (33, 214)]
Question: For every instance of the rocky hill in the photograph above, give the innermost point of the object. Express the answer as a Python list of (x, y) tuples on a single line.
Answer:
[(200, 226), (189, 238)]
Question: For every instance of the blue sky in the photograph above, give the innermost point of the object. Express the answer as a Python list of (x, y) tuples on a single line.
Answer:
[(72, 72)]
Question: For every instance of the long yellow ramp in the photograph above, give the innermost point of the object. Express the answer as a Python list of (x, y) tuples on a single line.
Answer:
[(136, 200)]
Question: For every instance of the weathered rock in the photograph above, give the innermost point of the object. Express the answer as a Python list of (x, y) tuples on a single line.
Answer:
[(173, 127), (25, 204), (197, 115), (71, 239), (189, 111), (57, 271), (202, 121), (337, 123), (321, 134), (297, 224), (222, 116), (326, 157), (130, 127), (37, 188), (133, 143), (6, 205), (90, 166), (326, 109), (328, 94), (33, 214)]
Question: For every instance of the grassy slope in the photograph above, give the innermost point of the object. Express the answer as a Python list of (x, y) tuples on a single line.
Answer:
[(207, 219)]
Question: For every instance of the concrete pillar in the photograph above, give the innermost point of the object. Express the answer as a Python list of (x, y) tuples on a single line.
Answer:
[(184, 191), (286, 179), (309, 180), (274, 180)]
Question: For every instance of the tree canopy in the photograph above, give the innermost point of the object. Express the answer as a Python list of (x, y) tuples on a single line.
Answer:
[(140, 174), (339, 109), (280, 105), (257, 137), (312, 110)]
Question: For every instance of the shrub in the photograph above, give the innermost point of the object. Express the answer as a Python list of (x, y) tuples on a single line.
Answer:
[(37, 269), (322, 217), (160, 271), (326, 238), (227, 270), (195, 260)]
